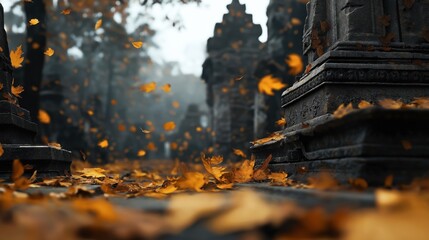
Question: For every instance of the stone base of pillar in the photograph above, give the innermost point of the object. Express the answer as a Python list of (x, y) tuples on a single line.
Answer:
[(371, 144), (17, 133)]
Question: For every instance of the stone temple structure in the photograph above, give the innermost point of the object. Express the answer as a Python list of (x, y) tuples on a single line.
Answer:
[(17, 131), (285, 28), (233, 51), (369, 50)]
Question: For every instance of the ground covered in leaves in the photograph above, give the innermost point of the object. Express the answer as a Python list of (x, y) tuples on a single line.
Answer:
[(207, 200)]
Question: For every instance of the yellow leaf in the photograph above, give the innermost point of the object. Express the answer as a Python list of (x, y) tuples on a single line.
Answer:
[(278, 178), (166, 88), (98, 24), (49, 52), (167, 190), (216, 172), (16, 57), (34, 21), (295, 21), (92, 172), (191, 180), (169, 126), (239, 153), (137, 44), (141, 153), (270, 83), (391, 104), (104, 143), (17, 169), (244, 172), (66, 11), (296, 66), (364, 104), (282, 122), (148, 87)]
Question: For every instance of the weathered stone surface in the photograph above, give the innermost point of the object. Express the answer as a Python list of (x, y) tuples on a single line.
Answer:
[(358, 50), (17, 131)]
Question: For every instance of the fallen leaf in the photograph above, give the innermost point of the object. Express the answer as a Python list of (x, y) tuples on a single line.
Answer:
[(33, 21), (169, 126), (262, 172), (279, 179), (92, 172), (148, 87), (44, 117), (137, 44), (343, 110), (192, 181), (244, 172), (16, 57), (269, 83), (364, 104), (17, 169), (98, 24), (216, 171), (49, 52), (295, 63), (99, 207), (391, 104)]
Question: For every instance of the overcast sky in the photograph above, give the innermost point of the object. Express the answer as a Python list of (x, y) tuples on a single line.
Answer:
[(188, 46)]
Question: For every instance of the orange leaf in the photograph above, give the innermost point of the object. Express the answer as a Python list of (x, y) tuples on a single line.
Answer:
[(16, 57), (17, 169), (137, 44), (166, 88), (191, 180), (244, 172), (33, 21), (343, 110), (261, 173), (44, 117), (49, 52), (141, 153), (104, 143), (296, 66), (169, 126), (1, 150), (282, 122), (66, 11), (98, 24), (92, 172), (364, 104), (240, 153), (269, 83), (148, 87)]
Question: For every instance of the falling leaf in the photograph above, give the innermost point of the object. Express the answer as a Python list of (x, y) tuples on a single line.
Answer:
[(49, 52), (1, 150), (104, 143), (343, 110), (145, 131), (269, 83), (282, 122), (169, 126), (295, 21), (33, 21), (137, 44), (364, 104), (44, 117), (66, 11), (166, 88), (175, 104), (388, 182), (148, 87), (239, 153), (141, 153), (17, 169), (296, 66), (16, 57), (17, 90), (406, 144), (210, 165), (98, 24)]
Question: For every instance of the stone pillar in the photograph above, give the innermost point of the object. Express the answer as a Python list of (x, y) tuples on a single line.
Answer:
[(17, 132), (285, 28), (228, 71), (358, 50)]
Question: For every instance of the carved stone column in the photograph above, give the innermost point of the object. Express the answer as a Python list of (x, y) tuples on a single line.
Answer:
[(17, 131), (228, 71), (358, 50)]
